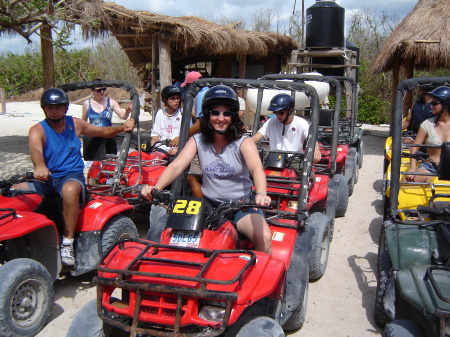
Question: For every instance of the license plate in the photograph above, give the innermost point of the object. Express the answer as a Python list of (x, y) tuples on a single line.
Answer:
[(185, 239)]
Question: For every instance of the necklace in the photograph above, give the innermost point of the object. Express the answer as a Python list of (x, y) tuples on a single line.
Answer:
[(167, 114)]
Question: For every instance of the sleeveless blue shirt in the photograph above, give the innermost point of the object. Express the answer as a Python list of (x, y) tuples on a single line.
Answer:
[(62, 151), (100, 119)]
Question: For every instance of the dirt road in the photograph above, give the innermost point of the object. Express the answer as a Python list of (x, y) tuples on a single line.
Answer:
[(339, 304)]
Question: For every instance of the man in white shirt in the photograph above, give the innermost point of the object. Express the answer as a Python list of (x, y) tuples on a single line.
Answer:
[(168, 120), (286, 132)]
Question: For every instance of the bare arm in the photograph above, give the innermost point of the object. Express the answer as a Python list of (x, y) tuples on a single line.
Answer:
[(420, 138), (251, 156), (119, 111), (257, 137), (153, 140), (317, 154), (195, 128), (84, 110), (84, 128), (36, 141), (174, 169)]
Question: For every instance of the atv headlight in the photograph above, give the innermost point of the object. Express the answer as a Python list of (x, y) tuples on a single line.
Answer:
[(212, 313), (293, 205)]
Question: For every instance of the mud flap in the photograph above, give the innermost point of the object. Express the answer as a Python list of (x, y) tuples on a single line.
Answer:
[(297, 276), (88, 252)]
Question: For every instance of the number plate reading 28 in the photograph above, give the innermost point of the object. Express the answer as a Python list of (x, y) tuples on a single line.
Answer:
[(186, 238)]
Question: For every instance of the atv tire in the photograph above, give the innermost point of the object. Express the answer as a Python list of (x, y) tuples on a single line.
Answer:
[(297, 319), (360, 153), (261, 327), (117, 228), (158, 219), (403, 328), (385, 280), (342, 195), (351, 163), (26, 297), (87, 323), (320, 249)]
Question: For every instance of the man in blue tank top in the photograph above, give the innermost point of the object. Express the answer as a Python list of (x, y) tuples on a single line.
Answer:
[(55, 152)]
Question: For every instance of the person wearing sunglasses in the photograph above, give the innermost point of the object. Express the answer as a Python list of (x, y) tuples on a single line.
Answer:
[(228, 161), (432, 131), (99, 110), (285, 131), (55, 152), (420, 111)]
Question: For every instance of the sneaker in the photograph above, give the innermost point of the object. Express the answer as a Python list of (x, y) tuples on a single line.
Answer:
[(67, 255)]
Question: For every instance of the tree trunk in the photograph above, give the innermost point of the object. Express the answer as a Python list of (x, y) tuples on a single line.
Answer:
[(47, 57)]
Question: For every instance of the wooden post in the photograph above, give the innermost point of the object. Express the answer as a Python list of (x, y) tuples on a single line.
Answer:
[(408, 69), (47, 52), (155, 101), (47, 57), (242, 65), (2, 101), (395, 80), (165, 61)]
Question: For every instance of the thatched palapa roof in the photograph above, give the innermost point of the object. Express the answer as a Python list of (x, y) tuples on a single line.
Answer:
[(191, 38), (422, 39)]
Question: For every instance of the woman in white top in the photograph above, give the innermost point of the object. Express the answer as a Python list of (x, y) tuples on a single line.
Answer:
[(433, 131)]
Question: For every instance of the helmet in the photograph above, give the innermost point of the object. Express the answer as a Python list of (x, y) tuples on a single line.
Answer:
[(221, 94), (169, 91), (54, 96), (441, 93), (281, 102)]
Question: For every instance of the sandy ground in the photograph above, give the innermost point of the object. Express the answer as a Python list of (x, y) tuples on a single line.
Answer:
[(339, 304)]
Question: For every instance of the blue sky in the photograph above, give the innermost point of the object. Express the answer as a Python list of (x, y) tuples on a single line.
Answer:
[(229, 9)]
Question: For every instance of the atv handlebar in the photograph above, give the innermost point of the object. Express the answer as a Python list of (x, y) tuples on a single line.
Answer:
[(434, 211)]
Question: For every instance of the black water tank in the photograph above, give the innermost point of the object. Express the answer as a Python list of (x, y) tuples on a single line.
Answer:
[(325, 22)]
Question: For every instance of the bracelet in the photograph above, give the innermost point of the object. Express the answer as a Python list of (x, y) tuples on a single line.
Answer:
[(262, 193)]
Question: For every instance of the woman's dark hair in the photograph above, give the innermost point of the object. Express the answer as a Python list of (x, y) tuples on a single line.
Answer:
[(233, 132)]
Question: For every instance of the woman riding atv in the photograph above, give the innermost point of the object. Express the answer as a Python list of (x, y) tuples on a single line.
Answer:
[(227, 159), (433, 131)]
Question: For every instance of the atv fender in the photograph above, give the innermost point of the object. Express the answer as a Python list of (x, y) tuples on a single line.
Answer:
[(409, 245), (419, 293), (33, 236), (297, 277), (88, 252), (94, 215)]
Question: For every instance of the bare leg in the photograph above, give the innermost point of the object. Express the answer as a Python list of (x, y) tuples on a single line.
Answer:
[(21, 186), (71, 198), (255, 228), (195, 185)]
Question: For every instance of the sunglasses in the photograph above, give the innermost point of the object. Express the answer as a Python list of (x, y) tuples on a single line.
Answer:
[(100, 89), (434, 103), (216, 113), (280, 113)]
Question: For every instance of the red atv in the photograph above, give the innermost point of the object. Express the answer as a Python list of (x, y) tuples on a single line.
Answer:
[(339, 161), (29, 250), (30, 237), (202, 278), (143, 166)]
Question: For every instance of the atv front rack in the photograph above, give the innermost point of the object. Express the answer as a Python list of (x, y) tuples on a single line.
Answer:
[(157, 306)]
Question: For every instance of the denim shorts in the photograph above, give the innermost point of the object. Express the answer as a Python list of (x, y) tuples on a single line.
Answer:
[(53, 187), (426, 165)]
